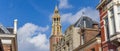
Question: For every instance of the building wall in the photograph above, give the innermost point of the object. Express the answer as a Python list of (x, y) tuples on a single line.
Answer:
[(90, 34), (111, 11), (94, 47), (118, 48), (70, 40), (7, 47), (76, 37), (9, 43)]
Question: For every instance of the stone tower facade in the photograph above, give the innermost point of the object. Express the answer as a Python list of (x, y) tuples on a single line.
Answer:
[(56, 33)]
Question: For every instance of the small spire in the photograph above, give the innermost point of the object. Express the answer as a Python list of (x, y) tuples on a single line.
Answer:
[(56, 8)]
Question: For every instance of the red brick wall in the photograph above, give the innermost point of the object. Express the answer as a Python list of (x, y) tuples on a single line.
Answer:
[(90, 34), (7, 47), (96, 47), (102, 14), (53, 40), (107, 46)]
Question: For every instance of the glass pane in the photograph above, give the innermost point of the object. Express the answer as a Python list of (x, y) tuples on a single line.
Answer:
[(113, 25), (118, 8), (119, 20), (107, 27)]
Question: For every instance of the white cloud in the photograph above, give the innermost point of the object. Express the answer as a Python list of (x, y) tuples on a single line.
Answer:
[(72, 18), (64, 4), (40, 41), (32, 38)]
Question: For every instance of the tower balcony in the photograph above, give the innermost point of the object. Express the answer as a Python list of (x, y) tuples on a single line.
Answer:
[(115, 39)]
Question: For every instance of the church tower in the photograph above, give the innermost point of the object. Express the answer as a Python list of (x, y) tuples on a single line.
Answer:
[(56, 33)]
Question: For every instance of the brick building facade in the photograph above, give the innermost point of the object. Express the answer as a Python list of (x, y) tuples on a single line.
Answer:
[(8, 37), (89, 35), (109, 11)]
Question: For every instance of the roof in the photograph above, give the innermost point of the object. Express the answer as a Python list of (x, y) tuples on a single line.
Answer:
[(5, 30), (88, 20)]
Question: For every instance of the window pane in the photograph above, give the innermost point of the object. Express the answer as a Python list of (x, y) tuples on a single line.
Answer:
[(111, 12), (113, 25), (118, 8), (106, 27), (119, 20)]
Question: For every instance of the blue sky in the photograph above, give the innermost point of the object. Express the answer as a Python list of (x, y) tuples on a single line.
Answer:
[(37, 14)]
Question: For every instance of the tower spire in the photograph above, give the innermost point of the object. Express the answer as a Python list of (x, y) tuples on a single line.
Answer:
[(56, 30), (56, 33), (56, 12), (56, 8)]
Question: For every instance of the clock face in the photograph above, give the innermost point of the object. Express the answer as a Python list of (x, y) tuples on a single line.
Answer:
[(6, 41)]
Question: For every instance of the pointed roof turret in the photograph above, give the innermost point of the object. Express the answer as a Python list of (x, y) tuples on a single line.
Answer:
[(56, 9), (56, 12)]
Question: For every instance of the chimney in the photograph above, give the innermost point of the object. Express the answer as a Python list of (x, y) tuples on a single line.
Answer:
[(95, 26), (84, 24), (15, 26)]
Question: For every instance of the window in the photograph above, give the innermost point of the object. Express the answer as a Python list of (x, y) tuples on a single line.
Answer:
[(119, 20), (112, 21), (111, 12), (58, 30), (111, 50), (93, 49), (119, 15), (55, 19), (119, 9), (106, 27), (84, 24), (112, 25), (82, 39), (109, 1)]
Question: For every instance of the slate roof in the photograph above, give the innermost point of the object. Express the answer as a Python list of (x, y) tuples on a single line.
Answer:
[(5, 30), (89, 22)]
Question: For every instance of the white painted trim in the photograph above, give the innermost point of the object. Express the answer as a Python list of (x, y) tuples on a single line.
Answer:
[(102, 26), (7, 35), (101, 21), (6, 41), (105, 27)]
